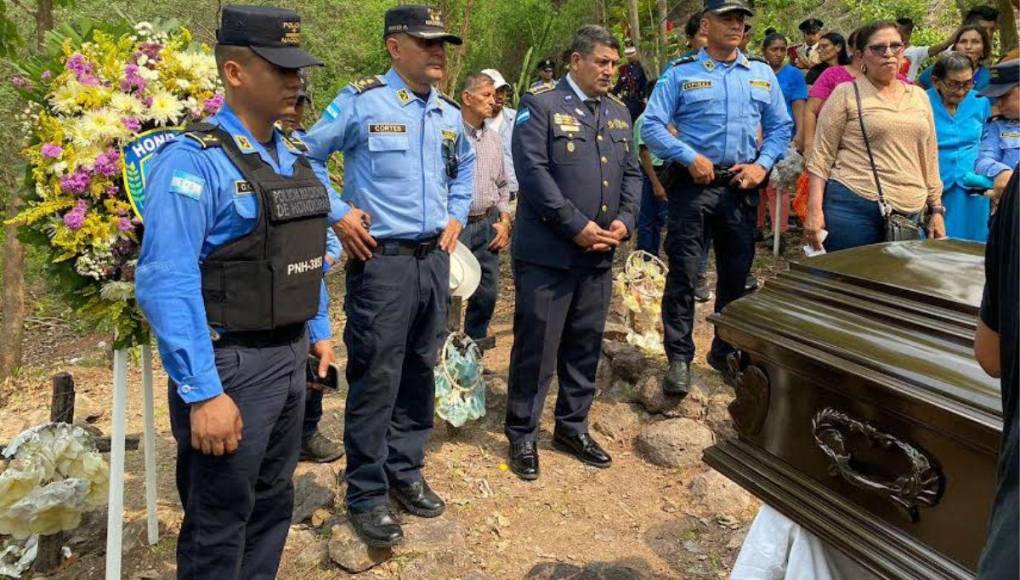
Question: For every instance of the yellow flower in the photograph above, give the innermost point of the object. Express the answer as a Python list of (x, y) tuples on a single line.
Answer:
[(126, 105), (65, 97), (98, 127), (166, 109)]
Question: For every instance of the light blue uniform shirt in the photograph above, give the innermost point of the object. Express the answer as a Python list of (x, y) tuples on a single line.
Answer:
[(394, 167), (192, 207), (717, 109), (1000, 147), (959, 137)]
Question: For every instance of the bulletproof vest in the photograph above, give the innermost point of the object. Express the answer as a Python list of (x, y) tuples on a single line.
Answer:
[(270, 277)]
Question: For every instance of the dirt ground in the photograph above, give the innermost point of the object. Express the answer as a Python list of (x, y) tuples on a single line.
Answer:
[(633, 520)]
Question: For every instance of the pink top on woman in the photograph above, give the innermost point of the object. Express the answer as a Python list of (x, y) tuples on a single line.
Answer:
[(833, 77)]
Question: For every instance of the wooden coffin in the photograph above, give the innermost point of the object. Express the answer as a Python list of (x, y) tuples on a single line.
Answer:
[(860, 411)]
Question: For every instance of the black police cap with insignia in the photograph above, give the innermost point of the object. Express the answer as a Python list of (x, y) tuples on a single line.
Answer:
[(724, 6), (272, 33), (546, 64), (419, 21), (811, 26), (1004, 76)]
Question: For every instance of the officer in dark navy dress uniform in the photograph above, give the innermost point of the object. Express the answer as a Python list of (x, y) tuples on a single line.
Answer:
[(579, 191), (230, 278)]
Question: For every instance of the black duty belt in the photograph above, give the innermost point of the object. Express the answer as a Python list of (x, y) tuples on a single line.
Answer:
[(261, 338), (480, 217), (417, 248)]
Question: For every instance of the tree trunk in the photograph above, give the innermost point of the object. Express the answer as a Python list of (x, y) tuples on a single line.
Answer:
[(43, 21), (12, 328), (1007, 26), (634, 15)]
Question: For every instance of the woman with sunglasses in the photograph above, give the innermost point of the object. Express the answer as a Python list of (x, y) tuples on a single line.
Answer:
[(832, 50), (960, 115), (900, 131), (972, 41)]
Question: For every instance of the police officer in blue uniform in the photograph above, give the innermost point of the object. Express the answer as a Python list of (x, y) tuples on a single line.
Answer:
[(717, 100), (230, 278), (408, 182), (579, 190)]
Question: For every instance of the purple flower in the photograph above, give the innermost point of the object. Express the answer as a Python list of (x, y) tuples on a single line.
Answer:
[(75, 218), (131, 123), (212, 105), (76, 183), (112, 191), (21, 82), (132, 80), (151, 50), (106, 164), (46, 75), (124, 224), (82, 69), (52, 151)]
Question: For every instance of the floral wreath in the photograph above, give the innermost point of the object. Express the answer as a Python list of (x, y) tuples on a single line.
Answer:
[(97, 88)]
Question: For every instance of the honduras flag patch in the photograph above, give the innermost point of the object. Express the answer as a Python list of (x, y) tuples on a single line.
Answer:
[(187, 184), (522, 116)]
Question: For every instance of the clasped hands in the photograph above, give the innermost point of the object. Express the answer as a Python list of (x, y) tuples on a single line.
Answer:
[(596, 239)]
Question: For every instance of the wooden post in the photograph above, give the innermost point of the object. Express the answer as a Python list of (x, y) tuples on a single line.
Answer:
[(50, 557)]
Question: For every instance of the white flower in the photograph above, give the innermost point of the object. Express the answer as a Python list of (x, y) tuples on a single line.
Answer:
[(65, 97), (142, 60), (165, 109), (58, 168), (97, 128), (147, 73), (126, 105)]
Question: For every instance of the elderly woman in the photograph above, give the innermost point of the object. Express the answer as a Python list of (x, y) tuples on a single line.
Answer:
[(960, 115), (972, 41), (842, 190)]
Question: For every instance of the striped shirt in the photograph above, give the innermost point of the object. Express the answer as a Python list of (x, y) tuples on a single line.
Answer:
[(491, 188)]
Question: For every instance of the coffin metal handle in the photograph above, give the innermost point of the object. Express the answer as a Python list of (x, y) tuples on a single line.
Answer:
[(920, 487)]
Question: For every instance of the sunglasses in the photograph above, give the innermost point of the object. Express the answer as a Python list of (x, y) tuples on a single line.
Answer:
[(882, 49)]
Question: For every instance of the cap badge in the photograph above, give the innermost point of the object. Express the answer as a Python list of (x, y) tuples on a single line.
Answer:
[(291, 33)]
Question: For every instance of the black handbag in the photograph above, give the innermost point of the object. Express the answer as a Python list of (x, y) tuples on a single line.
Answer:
[(898, 226)]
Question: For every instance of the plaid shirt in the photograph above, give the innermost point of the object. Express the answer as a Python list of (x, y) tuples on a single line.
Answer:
[(491, 188)]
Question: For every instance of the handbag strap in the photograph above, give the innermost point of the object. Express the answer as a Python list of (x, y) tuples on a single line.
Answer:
[(885, 209)]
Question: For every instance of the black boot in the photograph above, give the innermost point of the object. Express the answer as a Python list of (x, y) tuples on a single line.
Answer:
[(317, 448), (377, 527), (677, 380), (419, 499)]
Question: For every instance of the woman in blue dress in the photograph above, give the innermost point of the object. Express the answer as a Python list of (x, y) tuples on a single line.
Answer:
[(960, 115), (972, 41)]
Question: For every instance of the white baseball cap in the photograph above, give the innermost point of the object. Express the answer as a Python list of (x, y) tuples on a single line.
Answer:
[(497, 78)]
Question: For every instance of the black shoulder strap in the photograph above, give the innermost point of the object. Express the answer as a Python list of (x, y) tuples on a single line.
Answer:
[(867, 145), (455, 104), (204, 134)]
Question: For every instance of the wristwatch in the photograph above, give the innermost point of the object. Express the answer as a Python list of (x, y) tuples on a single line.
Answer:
[(939, 209)]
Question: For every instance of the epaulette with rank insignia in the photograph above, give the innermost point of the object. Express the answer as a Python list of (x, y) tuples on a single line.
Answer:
[(367, 84), (202, 133), (685, 60), (294, 142), (455, 104), (616, 99), (540, 89), (757, 59)]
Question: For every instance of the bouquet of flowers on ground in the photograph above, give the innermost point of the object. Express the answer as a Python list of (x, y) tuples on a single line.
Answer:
[(97, 88)]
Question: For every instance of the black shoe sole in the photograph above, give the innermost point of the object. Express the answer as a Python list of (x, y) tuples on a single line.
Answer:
[(417, 511), (524, 476), (306, 458), (569, 451), (377, 543)]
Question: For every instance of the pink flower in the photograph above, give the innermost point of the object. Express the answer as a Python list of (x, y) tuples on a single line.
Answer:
[(46, 75), (112, 191), (21, 82), (132, 80), (52, 151), (106, 164), (131, 123), (82, 69), (124, 224), (75, 218), (212, 105)]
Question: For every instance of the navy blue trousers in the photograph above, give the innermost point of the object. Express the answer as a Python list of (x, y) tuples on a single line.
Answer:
[(850, 219), (477, 236), (559, 318), (237, 507), (697, 214), (396, 321)]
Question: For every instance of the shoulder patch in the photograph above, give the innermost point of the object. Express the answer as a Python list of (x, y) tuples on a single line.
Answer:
[(294, 142), (540, 89), (522, 116), (449, 100), (187, 184), (367, 84), (616, 99), (684, 60)]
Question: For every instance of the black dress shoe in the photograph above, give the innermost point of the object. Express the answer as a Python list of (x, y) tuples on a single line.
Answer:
[(377, 527), (702, 293), (524, 460), (584, 448), (677, 380), (419, 499), (718, 362)]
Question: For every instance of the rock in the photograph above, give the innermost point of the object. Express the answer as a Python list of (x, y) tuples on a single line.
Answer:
[(629, 364), (654, 400), (86, 409), (319, 517), (603, 377), (618, 421), (622, 391), (611, 348), (675, 442), (477, 575), (315, 487), (553, 571), (351, 554), (312, 550), (433, 535), (718, 495), (615, 331), (717, 417)]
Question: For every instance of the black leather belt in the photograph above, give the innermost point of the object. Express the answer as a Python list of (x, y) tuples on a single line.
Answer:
[(417, 248), (261, 338), (479, 217)]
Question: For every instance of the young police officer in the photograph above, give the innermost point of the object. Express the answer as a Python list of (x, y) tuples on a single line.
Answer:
[(408, 175), (717, 100), (229, 275), (580, 187)]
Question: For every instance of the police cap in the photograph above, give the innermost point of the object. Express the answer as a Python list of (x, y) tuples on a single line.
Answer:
[(272, 33), (546, 64), (724, 6), (419, 21), (811, 26), (1004, 76)]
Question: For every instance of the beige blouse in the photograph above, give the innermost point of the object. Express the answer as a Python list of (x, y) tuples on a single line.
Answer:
[(903, 141)]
